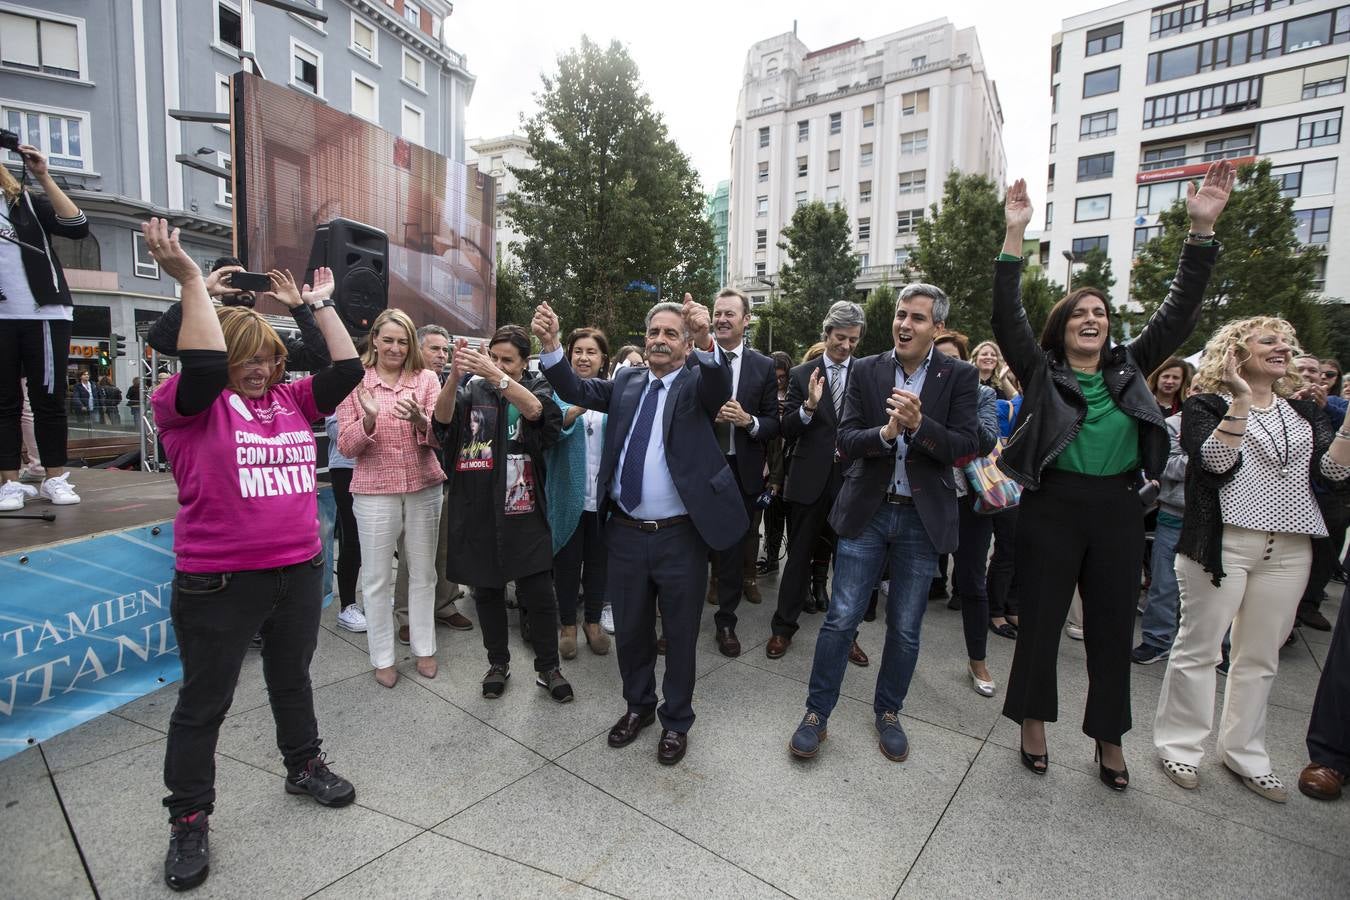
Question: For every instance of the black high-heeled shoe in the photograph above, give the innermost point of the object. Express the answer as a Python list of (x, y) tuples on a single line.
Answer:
[(1116, 781), (1038, 763)]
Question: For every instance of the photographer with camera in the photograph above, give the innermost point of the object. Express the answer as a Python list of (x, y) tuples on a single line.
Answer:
[(36, 313), (307, 354)]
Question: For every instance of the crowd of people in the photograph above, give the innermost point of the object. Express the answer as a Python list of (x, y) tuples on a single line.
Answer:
[(621, 493)]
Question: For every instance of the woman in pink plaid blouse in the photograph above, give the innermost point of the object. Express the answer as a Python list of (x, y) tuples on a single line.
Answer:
[(385, 425)]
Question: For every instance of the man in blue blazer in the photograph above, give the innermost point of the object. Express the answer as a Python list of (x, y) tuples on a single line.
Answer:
[(670, 498), (909, 414)]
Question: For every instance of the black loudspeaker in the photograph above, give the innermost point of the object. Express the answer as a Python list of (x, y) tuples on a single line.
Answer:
[(358, 255)]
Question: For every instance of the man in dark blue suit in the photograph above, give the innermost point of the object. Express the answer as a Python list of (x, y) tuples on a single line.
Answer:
[(745, 425), (909, 414), (670, 498)]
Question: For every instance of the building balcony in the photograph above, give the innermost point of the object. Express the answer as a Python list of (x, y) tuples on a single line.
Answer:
[(1190, 166)]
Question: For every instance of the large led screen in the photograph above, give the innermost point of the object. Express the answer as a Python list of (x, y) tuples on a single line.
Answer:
[(300, 163)]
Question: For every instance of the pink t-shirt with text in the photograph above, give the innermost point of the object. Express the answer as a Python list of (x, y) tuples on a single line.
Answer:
[(245, 473)]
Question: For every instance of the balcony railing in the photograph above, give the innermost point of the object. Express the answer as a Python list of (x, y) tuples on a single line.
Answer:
[(1176, 162)]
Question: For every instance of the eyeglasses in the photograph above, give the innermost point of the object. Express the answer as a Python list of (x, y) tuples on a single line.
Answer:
[(263, 362), (1330, 373)]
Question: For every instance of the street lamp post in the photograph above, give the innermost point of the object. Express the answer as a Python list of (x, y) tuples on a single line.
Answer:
[(772, 284), (1068, 286)]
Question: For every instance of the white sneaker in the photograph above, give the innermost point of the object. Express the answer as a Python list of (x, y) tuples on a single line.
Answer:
[(352, 619), (59, 491), (13, 494), (607, 619), (1074, 631)]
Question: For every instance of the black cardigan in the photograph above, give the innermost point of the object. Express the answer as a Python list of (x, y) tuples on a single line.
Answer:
[(1202, 526), (34, 218)]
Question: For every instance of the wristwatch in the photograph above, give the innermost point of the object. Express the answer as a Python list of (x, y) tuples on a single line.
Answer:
[(321, 304), (501, 385)]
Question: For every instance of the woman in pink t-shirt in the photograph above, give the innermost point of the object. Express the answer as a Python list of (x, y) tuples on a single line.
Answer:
[(246, 539), (385, 426)]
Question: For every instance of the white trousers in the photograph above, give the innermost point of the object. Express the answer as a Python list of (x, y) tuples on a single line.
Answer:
[(382, 519), (1266, 575)]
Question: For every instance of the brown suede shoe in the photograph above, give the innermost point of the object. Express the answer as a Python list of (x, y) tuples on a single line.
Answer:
[(857, 656), (777, 646), (458, 621), (750, 591), (1321, 782)]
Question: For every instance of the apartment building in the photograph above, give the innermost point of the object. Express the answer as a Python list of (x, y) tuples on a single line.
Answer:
[(497, 156)]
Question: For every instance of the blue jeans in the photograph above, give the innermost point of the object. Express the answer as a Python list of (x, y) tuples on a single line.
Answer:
[(1159, 624), (896, 534)]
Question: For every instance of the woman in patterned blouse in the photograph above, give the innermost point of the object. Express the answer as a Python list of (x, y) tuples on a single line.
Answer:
[(1245, 548)]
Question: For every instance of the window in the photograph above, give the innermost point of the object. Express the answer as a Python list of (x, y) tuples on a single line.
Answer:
[(1176, 18), (1083, 245), (61, 135), (1202, 103), (1104, 39), (412, 13), (1099, 165), (1162, 158), (1151, 199), (229, 32), (771, 67), (832, 162), (917, 61), (225, 186), (413, 67), (1050, 177), (1308, 32), (803, 131), (762, 176), (146, 267), (764, 137), (1319, 129), (305, 68), (902, 256), (762, 239), (1102, 81), (1092, 209), (800, 199), (865, 228), (34, 44), (365, 99), (364, 38), (1312, 226), (906, 220), (1056, 53), (223, 97), (1049, 215), (864, 260), (914, 103), (1228, 148), (82, 254), (864, 192), (761, 205), (913, 182), (865, 155), (1264, 42), (412, 123), (1054, 99), (1097, 125), (1143, 235), (914, 141), (836, 122), (1309, 179), (1054, 136), (1324, 88), (832, 195), (1320, 274), (761, 269), (869, 116)]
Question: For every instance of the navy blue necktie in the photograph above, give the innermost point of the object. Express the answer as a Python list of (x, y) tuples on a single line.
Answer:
[(635, 460)]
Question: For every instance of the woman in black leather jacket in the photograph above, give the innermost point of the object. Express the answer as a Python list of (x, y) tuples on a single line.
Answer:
[(1088, 425)]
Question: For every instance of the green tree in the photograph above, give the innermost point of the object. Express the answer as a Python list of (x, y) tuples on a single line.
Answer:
[(821, 270), (957, 244), (1039, 293), (1262, 270), (513, 307), (612, 199), (879, 315)]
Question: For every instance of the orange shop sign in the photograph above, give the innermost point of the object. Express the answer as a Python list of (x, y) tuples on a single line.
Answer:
[(86, 349)]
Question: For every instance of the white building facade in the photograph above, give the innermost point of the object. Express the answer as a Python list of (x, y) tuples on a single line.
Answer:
[(1144, 96), (496, 156), (872, 125)]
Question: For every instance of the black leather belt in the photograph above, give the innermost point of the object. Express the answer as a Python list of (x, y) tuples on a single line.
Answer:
[(899, 499), (647, 525)]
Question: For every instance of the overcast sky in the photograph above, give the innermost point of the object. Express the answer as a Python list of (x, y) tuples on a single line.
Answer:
[(692, 55)]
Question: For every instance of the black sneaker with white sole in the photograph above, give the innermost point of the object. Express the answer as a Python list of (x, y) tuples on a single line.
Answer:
[(1147, 654), (321, 783), (494, 682), (557, 686), (188, 861)]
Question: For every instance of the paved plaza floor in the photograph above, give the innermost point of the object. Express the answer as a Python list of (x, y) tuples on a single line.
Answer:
[(458, 796)]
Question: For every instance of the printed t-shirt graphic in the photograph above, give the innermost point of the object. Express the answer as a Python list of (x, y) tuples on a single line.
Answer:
[(476, 454), (519, 469)]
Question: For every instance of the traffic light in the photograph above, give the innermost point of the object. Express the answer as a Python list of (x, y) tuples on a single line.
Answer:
[(117, 346)]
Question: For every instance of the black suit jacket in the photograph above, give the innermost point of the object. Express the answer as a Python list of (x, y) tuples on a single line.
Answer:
[(705, 484), (812, 455), (757, 392), (949, 431)]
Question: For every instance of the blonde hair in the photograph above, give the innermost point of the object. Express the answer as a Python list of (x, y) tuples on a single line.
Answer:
[(1233, 336), (1003, 376), (413, 361), (9, 186), (247, 334), (814, 351)]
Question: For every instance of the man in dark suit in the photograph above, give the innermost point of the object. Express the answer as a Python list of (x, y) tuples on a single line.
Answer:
[(745, 425), (908, 415), (811, 415), (670, 497)]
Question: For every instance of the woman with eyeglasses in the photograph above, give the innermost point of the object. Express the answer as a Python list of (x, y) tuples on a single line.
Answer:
[(246, 539)]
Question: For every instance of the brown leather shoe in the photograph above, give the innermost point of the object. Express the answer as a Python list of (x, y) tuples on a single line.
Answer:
[(728, 643), (670, 749), (403, 637), (777, 646), (626, 730), (458, 621), (712, 592), (750, 591), (857, 656), (660, 646), (1321, 782)]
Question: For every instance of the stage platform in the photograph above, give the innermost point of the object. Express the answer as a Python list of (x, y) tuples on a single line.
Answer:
[(110, 500)]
